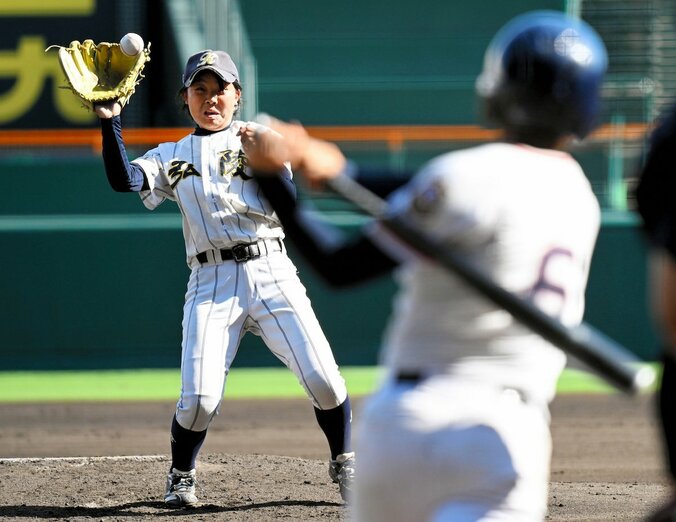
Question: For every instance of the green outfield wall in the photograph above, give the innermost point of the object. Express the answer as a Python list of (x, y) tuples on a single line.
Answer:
[(369, 62), (90, 279)]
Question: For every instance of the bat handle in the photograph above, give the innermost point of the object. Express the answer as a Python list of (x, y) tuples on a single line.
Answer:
[(644, 378), (614, 362), (358, 195)]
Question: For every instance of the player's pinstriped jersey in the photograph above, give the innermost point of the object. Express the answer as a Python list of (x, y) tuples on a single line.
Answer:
[(207, 176), (529, 218)]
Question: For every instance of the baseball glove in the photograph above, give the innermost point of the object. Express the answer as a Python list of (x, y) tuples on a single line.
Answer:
[(102, 72)]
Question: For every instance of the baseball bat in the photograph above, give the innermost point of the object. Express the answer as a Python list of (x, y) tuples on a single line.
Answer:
[(613, 362)]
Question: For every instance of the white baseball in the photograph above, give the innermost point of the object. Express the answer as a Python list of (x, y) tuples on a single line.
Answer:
[(131, 44)]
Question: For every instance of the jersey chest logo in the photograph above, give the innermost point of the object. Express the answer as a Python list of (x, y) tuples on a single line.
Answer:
[(179, 170), (233, 163)]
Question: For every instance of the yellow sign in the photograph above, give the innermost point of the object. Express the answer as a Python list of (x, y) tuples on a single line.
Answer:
[(30, 67), (47, 7)]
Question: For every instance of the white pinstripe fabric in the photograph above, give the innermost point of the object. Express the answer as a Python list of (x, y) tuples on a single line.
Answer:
[(265, 297), (221, 207), (220, 204)]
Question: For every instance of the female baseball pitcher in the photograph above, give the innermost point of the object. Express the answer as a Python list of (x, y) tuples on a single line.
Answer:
[(241, 278)]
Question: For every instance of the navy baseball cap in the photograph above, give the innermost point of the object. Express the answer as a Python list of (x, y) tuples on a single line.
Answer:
[(217, 61)]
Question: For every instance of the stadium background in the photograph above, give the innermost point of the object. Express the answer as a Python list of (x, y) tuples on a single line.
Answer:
[(91, 280)]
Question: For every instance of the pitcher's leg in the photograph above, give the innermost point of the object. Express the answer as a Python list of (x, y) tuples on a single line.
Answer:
[(212, 328), (286, 321), (300, 343)]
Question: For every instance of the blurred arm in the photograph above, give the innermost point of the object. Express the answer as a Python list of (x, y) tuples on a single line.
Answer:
[(340, 263)]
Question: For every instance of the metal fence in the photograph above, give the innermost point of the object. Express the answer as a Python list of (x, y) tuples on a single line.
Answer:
[(217, 24)]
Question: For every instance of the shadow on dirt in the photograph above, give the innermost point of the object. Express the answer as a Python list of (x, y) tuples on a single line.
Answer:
[(151, 508)]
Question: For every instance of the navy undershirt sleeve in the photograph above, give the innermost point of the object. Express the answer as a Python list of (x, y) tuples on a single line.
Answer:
[(123, 176), (287, 180), (342, 264), (381, 182)]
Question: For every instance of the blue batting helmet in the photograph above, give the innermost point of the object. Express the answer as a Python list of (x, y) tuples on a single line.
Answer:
[(543, 70)]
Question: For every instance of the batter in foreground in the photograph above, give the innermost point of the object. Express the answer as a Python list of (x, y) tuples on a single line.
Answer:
[(459, 429), (241, 278)]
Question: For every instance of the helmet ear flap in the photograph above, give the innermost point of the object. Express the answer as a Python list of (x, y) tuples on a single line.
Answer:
[(535, 119)]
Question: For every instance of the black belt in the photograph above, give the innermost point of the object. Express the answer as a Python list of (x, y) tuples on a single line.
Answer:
[(409, 377), (412, 377), (243, 251)]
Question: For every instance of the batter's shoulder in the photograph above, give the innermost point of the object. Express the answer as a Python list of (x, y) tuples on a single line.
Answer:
[(472, 159)]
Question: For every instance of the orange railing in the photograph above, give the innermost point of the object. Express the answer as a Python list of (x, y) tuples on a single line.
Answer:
[(393, 136)]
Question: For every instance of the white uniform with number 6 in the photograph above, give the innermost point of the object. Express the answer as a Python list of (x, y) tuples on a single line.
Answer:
[(458, 429), (475, 415)]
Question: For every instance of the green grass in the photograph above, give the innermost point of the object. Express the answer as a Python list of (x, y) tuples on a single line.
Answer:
[(577, 381), (140, 385), (144, 385)]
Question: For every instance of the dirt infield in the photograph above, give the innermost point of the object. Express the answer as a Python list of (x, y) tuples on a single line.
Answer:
[(266, 460)]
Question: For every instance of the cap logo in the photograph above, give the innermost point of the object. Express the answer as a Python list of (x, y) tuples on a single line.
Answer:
[(208, 58)]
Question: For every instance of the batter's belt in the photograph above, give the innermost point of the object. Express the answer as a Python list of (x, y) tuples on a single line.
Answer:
[(242, 252), (413, 378)]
